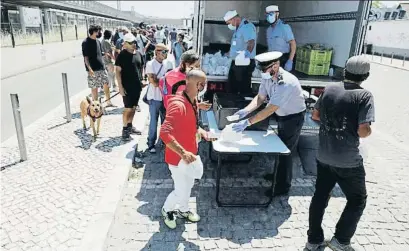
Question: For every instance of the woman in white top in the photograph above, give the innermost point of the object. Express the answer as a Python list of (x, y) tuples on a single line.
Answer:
[(155, 69)]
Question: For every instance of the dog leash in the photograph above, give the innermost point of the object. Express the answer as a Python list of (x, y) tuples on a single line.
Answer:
[(111, 97)]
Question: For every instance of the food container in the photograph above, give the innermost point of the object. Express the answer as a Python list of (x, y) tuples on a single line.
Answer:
[(226, 104)]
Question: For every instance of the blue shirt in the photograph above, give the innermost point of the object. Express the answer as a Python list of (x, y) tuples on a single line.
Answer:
[(119, 43), (279, 36), (245, 32), (286, 95)]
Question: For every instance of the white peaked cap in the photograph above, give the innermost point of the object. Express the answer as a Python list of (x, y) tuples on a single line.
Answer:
[(268, 56), (229, 15), (272, 8), (129, 38)]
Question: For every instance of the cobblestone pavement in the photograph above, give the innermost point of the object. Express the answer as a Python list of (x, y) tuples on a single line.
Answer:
[(48, 200), (283, 225)]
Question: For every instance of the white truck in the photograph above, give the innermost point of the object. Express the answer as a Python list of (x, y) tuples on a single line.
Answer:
[(340, 25)]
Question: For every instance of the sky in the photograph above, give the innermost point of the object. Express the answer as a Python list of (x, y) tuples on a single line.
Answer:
[(165, 9)]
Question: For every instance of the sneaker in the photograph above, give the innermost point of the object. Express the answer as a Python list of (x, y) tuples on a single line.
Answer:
[(169, 219), (336, 246), (135, 131), (314, 247), (152, 150), (126, 134), (189, 215)]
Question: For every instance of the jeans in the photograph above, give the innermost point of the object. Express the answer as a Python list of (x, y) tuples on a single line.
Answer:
[(179, 197), (156, 109), (352, 183), (289, 130)]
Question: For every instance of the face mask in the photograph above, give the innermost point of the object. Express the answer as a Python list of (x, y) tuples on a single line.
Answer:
[(265, 75), (202, 92), (121, 34), (271, 18), (231, 27)]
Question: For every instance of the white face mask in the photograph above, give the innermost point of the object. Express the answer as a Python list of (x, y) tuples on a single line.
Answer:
[(271, 18), (121, 34), (231, 27), (265, 75)]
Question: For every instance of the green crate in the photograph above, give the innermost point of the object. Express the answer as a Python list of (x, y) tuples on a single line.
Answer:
[(317, 56), (314, 69), (299, 66), (300, 53)]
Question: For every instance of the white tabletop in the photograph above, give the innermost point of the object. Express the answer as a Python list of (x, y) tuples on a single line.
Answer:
[(252, 141)]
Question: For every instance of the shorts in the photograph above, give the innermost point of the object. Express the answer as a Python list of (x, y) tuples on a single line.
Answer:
[(131, 99), (98, 80)]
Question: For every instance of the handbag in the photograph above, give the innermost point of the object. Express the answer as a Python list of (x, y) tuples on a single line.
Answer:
[(145, 97)]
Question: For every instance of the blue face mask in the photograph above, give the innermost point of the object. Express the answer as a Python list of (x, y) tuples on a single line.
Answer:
[(271, 18)]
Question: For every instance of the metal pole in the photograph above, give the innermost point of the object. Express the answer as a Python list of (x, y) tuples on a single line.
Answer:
[(372, 53), (391, 57), (66, 97), (76, 32), (381, 56), (41, 34), (62, 39), (13, 41), (403, 62), (19, 126)]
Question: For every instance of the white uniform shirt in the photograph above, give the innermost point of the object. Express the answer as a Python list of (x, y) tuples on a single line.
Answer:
[(153, 67), (287, 96)]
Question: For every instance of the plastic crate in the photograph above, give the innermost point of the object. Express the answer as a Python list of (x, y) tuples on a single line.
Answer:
[(316, 56), (299, 65), (314, 69)]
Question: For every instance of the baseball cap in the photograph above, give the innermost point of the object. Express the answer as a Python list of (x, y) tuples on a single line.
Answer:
[(358, 65), (229, 15), (129, 37)]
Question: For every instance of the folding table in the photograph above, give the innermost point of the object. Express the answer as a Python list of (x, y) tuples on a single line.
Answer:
[(252, 143)]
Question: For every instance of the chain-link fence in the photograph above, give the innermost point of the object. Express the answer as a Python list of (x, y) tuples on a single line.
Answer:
[(12, 35)]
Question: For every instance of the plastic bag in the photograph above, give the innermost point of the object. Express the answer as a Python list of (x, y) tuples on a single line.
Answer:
[(241, 59), (228, 135)]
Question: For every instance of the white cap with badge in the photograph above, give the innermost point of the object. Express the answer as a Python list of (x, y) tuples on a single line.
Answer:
[(272, 8), (268, 56), (128, 37), (229, 15)]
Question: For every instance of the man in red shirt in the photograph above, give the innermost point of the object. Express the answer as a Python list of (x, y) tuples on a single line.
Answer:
[(181, 133)]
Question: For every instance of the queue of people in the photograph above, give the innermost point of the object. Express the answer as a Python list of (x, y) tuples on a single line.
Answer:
[(344, 111)]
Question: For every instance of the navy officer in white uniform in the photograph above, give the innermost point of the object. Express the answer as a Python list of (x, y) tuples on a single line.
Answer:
[(243, 39), (280, 37), (287, 101)]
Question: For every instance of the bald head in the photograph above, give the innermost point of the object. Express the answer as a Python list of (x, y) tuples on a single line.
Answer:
[(195, 81)]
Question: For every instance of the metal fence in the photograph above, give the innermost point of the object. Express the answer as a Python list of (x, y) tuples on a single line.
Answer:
[(12, 35)]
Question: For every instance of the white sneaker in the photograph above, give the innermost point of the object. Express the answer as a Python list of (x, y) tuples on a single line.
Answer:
[(189, 215), (169, 219), (336, 246)]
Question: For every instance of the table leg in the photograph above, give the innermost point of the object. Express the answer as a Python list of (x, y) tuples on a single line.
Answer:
[(218, 177)]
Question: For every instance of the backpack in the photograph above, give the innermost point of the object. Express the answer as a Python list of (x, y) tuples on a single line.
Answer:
[(170, 83)]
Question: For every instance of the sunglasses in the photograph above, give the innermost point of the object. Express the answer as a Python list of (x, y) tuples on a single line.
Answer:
[(164, 51)]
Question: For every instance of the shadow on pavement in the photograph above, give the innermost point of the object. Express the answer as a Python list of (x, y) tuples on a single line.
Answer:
[(56, 126), (109, 144), (86, 138)]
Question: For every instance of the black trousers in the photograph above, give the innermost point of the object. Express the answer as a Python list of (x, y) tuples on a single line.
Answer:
[(289, 130), (352, 183), (239, 79)]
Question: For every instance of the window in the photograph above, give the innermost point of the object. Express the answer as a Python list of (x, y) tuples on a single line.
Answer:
[(394, 15), (402, 14), (370, 27), (387, 15)]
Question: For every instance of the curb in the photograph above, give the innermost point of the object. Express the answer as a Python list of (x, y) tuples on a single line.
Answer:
[(103, 218)]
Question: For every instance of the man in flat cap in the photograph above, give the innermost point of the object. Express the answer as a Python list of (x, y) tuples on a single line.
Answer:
[(280, 37), (345, 112), (287, 101), (243, 39)]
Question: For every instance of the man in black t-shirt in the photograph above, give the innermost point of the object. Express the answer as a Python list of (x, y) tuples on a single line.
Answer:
[(94, 64), (345, 112), (129, 66)]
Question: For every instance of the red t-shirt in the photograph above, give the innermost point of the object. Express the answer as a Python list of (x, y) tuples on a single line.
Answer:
[(179, 125), (172, 77)]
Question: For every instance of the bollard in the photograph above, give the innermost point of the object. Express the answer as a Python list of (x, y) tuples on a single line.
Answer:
[(15, 104), (372, 54), (66, 97), (391, 57), (381, 56)]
